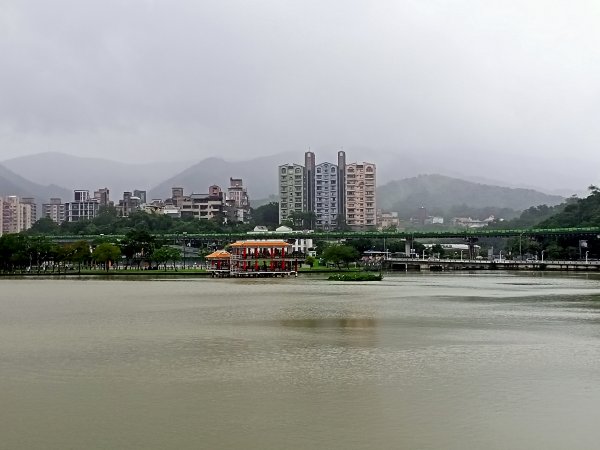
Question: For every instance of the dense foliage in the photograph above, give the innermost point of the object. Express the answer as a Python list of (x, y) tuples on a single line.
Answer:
[(32, 253), (108, 222)]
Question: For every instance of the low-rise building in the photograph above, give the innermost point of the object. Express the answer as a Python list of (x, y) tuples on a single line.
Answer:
[(388, 220), (468, 222), (199, 206)]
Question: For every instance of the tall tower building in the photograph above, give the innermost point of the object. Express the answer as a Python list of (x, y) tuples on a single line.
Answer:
[(326, 196), (292, 190), (361, 208), (309, 167), (341, 165)]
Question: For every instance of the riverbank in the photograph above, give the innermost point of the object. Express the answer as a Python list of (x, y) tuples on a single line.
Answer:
[(155, 273)]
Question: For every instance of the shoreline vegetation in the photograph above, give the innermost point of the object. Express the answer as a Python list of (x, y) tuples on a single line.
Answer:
[(356, 276), (153, 273)]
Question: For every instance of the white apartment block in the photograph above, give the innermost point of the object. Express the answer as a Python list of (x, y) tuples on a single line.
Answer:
[(292, 190), (326, 192), (15, 215), (361, 209), (83, 208)]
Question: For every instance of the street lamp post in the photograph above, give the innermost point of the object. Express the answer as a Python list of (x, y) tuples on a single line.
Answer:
[(184, 244), (586, 256), (500, 255), (520, 247), (543, 255)]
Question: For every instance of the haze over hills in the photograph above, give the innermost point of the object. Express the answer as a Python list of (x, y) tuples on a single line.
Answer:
[(74, 172), (405, 195), (14, 184), (439, 192), (259, 175)]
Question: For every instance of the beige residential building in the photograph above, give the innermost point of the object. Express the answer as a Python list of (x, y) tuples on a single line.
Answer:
[(201, 206), (55, 210), (361, 207), (16, 215)]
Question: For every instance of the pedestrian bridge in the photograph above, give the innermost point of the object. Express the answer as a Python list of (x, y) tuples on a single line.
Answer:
[(467, 234), (440, 265)]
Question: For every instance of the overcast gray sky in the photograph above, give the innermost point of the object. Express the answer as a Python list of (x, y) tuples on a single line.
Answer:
[(165, 79)]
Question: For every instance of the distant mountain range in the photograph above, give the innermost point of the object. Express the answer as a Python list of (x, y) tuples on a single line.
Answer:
[(14, 184), (259, 175), (74, 172), (438, 192), (435, 192)]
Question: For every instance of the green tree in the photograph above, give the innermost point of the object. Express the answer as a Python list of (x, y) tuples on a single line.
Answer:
[(79, 253), (340, 254), (165, 254), (437, 250), (45, 226), (267, 215), (106, 253)]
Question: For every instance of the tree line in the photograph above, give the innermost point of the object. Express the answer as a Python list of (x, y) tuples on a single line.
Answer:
[(25, 253)]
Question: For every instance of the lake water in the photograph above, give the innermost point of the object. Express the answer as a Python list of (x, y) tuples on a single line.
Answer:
[(437, 361)]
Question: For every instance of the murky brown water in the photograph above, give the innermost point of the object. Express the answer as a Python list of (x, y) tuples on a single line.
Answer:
[(454, 361)]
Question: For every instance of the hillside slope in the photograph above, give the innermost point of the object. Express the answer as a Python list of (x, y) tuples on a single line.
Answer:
[(259, 175), (13, 184), (441, 193), (75, 172)]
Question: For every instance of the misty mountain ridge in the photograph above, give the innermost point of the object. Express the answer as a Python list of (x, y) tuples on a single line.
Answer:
[(402, 194), (440, 193), (259, 175), (14, 184), (75, 172)]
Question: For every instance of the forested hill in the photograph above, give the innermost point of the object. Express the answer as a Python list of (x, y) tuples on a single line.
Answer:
[(584, 212), (439, 194)]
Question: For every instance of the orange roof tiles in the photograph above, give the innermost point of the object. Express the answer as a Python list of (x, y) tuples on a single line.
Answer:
[(219, 254), (270, 243)]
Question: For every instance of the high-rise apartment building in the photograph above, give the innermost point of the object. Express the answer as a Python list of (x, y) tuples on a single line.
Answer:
[(361, 208), (326, 196), (31, 201), (15, 216), (292, 190), (54, 210), (337, 195)]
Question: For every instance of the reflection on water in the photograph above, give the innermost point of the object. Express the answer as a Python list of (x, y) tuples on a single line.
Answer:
[(330, 323), (456, 361)]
